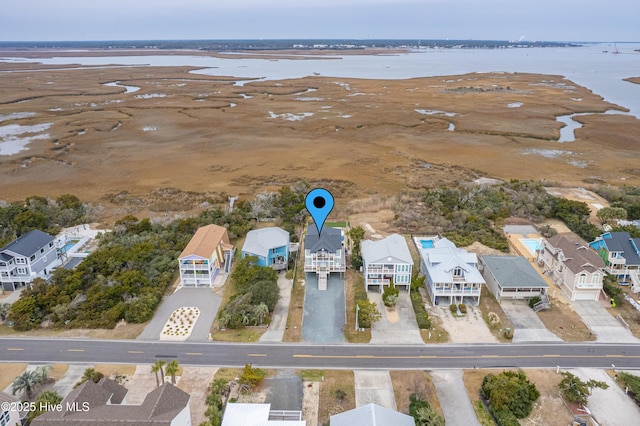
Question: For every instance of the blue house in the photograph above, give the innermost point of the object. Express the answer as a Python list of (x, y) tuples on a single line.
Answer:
[(269, 245), (619, 251)]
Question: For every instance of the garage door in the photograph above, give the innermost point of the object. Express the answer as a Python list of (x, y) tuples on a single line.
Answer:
[(586, 295)]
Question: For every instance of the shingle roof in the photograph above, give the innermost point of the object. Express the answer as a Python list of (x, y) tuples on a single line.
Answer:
[(205, 241), (260, 241), (621, 241), (513, 272), (371, 415), (330, 239), (29, 243), (159, 407), (394, 246), (444, 257), (578, 255)]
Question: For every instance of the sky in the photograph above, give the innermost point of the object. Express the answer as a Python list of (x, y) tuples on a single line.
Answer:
[(532, 20)]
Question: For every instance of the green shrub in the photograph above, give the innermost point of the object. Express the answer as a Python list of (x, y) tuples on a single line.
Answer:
[(633, 382), (422, 316), (453, 308), (533, 301), (613, 290), (390, 296), (509, 391), (463, 308)]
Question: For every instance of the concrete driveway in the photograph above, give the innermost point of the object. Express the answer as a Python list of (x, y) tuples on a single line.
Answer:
[(453, 398), (71, 377), (602, 323), (374, 387), (397, 326), (527, 327), (324, 311), (201, 298), (279, 316)]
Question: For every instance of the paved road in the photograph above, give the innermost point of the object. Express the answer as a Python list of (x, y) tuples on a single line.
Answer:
[(353, 357)]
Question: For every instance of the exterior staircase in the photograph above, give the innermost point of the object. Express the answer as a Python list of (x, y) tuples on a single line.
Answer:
[(543, 304)]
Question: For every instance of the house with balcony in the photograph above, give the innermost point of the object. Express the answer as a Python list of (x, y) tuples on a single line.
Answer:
[(572, 264), (386, 262), (248, 414), (451, 273), (33, 255), (270, 245), (206, 256), (324, 254), (620, 253), (513, 277)]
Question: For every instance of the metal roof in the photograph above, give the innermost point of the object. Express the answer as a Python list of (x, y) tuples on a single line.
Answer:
[(260, 241), (371, 415), (29, 243), (205, 240), (621, 241), (390, 249), (444, 257)]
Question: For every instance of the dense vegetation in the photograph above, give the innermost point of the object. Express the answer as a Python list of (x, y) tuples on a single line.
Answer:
[(471, 212), (633, 383), (256, 294), (124, 278), (422, 412), (625, 197), (41, 213), (612, 288), (510, 396)]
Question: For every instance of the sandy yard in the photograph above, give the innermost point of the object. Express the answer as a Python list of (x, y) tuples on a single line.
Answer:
[(469, 328), (593, 200)]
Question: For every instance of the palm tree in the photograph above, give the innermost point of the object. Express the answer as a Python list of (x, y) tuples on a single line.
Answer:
[(172, 370), (47, 398), (42, 373), (25, 382), (261, 311), (157, 366)]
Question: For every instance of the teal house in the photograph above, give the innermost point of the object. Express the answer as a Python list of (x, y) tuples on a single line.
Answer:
[(269, 245)]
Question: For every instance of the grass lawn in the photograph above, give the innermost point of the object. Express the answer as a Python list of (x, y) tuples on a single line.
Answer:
[(337, 394), (489, 304), (247, 334), (8, 372), (112, 370)]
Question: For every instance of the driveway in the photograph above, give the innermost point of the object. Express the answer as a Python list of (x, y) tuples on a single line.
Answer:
[(527, 327), (201, 298), (71, 377), (374, 387), (324, 311), (397, 326), (453, 398), (602, 323), (284, 391), (279, 317)]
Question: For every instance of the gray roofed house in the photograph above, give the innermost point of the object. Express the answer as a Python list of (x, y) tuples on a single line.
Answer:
[(451, 272), (102, 404), (33, 255), (512, 277), (270, 245), (371, 415), (620, 252), (8, 415), (324, 254), (386, 261)]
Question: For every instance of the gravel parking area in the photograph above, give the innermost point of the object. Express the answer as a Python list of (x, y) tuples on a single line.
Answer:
[(324, 311), (469, 328), (398, 325), (527, 327)]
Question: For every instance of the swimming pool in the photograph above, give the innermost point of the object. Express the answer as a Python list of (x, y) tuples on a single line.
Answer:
[(426, 244), (68, 245), (532, 245)]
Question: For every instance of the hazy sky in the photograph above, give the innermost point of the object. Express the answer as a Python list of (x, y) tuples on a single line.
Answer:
[(572, 20)]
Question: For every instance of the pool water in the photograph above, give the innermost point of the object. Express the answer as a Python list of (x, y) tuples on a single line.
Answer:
[(532, 245), (68, 245), (426, 244)]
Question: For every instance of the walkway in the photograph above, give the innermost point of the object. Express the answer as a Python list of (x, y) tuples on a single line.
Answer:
[(602, 323), (71, 377), (453, 398), (374, 387), (279, 317), (201, 298), (397, 326)]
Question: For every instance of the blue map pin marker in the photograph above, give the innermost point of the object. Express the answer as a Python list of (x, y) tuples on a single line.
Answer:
[(319, 203)]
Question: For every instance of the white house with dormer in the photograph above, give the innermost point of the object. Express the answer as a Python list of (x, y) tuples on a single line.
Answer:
[(451, 273), (386, 262)]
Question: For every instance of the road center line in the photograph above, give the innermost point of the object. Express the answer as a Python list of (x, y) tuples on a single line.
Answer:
[(15, 349), (256, 354), (193, 353), (135, 352), (75, 350)]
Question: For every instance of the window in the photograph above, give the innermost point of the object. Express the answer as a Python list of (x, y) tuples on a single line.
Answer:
[(457, 272), (22, 271), (32, 258), (4, 419), (596, 278), (582, 278), (51, 244), (20, 260)]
